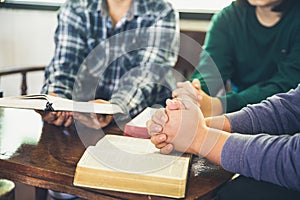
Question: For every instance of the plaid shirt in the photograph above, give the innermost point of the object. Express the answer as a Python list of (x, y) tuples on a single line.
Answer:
[(128, 64)]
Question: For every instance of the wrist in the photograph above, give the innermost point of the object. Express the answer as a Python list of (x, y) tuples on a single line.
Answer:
[(197, 145), (220, 122), (217, 108), (212, 144)]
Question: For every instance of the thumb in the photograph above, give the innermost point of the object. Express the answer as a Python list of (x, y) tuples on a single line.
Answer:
[(53, 94), (196, 84), (100, 101), (175, 104)]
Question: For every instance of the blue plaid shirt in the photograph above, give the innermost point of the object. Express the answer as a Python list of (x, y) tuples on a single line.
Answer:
[(128, 64)]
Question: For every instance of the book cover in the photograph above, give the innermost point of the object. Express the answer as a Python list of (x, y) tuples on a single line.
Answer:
[(137, 126), (133, 165), (53, 103)]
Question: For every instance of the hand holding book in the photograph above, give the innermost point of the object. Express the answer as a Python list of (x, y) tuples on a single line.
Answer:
[(92, 120), (60, 118), (61, 109)]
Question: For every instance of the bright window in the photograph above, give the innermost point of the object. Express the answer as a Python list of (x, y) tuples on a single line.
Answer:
[(200, 6), (187, 6), (35, 2)]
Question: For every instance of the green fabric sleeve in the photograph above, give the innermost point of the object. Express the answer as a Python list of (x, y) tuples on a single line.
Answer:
[(216, 58)]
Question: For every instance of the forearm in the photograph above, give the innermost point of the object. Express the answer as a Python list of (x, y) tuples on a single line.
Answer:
[(277, 115), (219, 122), (264, 157), (216, 63), (211, 144), (234, 101), (279, 83), (58, 85)]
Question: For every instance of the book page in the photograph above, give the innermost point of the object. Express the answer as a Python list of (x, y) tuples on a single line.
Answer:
[(134, 155), (39, 102), (87, 107)]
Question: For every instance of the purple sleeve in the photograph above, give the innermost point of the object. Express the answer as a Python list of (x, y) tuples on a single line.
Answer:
[(273, 158), (277, 115)]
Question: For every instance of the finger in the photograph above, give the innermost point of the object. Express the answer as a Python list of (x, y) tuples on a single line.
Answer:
[(183, 84), (191, 87), (153, 128), (49, 117), (105, 120), (159, 138), (95, 116), (185, 92), (161, 145), (53, 94), (167, 149), (60, 119), (58, 114), (196, 83), (87, 120), (175, 104), (94, 121), (189, 103), (188, 88), (100, 101), (178, 92), (68, 122), (160, 117), (79, 116)]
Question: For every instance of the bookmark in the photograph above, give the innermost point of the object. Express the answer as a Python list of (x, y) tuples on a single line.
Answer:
[(49, 106)]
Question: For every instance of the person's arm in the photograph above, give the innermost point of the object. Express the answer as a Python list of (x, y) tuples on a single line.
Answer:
[(277, 115), (70, 51), (273, 159), (216, 59), (263, 157), (157, 50), (286, 77), (185, 130), (216, 62), (220, 122)]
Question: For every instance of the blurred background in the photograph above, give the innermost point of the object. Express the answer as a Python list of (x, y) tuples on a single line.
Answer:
[(27, 29)]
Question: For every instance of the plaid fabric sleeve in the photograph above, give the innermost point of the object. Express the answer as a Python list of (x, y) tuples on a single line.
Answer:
[(152, 80), (69, 52)]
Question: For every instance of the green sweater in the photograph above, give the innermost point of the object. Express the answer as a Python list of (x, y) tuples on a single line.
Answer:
[(260, 61)]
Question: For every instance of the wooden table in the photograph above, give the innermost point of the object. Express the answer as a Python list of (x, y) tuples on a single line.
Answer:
[(45, 156)]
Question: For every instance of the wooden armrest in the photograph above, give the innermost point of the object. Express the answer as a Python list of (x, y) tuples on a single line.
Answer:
[(22, 70), (17, 69)]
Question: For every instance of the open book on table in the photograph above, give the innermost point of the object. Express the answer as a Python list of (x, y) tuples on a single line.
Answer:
[(133, 165), (53, 103)]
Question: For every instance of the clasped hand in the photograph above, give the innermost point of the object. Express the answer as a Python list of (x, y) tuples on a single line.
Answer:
[(210, 106), (180, 126)]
